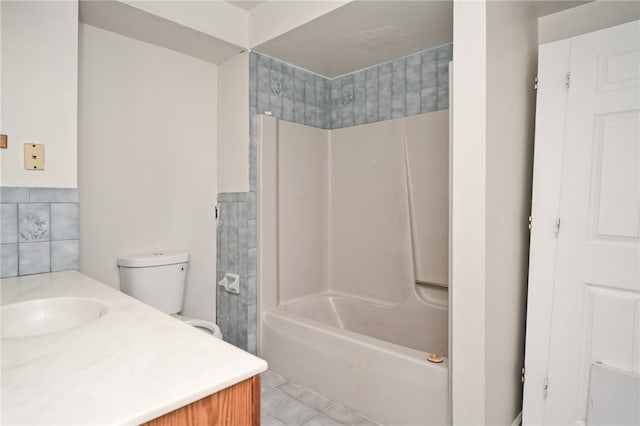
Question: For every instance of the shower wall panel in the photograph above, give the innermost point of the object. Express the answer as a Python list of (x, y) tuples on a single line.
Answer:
[(303, 192), (427, 138), (370, 232)]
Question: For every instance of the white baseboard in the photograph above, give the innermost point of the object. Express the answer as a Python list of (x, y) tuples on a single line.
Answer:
[(518, 420)]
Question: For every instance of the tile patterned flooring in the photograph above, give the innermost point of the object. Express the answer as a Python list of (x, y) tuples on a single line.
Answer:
[(287, 404)]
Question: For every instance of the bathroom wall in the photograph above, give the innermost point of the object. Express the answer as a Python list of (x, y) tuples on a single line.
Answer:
[(39, 90), (233, 124), (147, 159), (510, 128), (407, 86)]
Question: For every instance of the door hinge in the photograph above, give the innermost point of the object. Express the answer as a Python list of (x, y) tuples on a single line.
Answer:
[(557, 227), (522, 371), (530, 223), (535, 83), (568, 79), (546, 387)]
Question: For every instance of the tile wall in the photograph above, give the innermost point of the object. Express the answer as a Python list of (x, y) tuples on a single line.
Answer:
[(236, 313), (406, 86), (411, 85), (38, 230)]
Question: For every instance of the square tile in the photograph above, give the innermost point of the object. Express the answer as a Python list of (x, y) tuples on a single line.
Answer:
[(336, 118), (315, 400), (14, 194), (309, 91), (384, 109), (8, 260), (65, 255), (309, 114), (414, 60), (252, 343), (287, 109), (342, 414), (445, 52), (251, 290), (53, 195), (8, 223), (298, 113), (429, 56), (276, 105), (294, 413), (34, 221), (371, 91), (443, 73), (243, 241), (371, 111), (443, 97), (292, 389), (413, 79), (384, 69), (252, 318), (398, 106), (429, 100), (413, 103), (272, 379), (347, 116), (64, 221), (366, 422), (298, 90), (274, 399), (34, 258), (429, 69), (268, 420), (264, 101), (322, 420)]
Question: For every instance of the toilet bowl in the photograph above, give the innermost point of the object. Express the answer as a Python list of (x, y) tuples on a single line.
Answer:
[(202, 325), (158, 279)]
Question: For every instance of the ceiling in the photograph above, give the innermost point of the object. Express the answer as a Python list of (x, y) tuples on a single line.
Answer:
[(246, 4), (362, 34), (132, 22)]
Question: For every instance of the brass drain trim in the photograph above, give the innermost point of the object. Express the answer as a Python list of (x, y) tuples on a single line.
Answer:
[(435, 358)]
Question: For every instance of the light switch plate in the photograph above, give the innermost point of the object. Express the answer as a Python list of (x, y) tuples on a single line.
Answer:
[(33, 156)]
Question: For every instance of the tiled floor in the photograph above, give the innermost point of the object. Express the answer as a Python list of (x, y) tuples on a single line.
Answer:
[(288, 404)]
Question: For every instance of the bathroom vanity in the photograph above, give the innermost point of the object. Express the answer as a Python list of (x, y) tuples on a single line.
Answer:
[(75, 351)]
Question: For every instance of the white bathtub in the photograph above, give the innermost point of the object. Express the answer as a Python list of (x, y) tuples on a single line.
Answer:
[(338, 311), (369, 357)]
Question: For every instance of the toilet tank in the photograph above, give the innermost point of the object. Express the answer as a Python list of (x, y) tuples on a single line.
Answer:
[(157, 279)]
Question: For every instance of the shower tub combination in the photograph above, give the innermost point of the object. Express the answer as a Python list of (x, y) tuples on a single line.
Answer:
[(352, 263)]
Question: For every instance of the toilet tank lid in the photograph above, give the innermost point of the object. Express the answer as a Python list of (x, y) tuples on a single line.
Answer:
[(153, 259)]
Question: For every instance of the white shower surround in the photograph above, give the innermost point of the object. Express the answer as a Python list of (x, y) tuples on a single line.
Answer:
[(338, 308)]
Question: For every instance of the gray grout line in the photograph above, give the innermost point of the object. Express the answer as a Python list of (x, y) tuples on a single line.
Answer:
[(320, 412)]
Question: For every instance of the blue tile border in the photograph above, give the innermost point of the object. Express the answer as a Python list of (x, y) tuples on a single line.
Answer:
[(40, 230), (13, 194)]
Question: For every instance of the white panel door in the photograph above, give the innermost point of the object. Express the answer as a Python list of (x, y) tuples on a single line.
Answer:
[(595, 297)]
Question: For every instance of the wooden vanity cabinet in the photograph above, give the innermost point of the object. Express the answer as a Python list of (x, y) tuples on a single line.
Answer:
[(238, 405)]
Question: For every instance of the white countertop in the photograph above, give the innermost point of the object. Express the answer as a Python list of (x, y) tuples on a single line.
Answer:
[(130, 366)]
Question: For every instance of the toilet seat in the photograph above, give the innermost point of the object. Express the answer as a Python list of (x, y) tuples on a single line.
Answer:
[(200, 323)]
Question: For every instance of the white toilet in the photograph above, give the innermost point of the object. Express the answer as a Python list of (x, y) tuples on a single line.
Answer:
[(158, 279)]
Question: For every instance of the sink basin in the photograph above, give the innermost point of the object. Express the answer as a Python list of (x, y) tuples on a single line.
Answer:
[(47, 316)]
